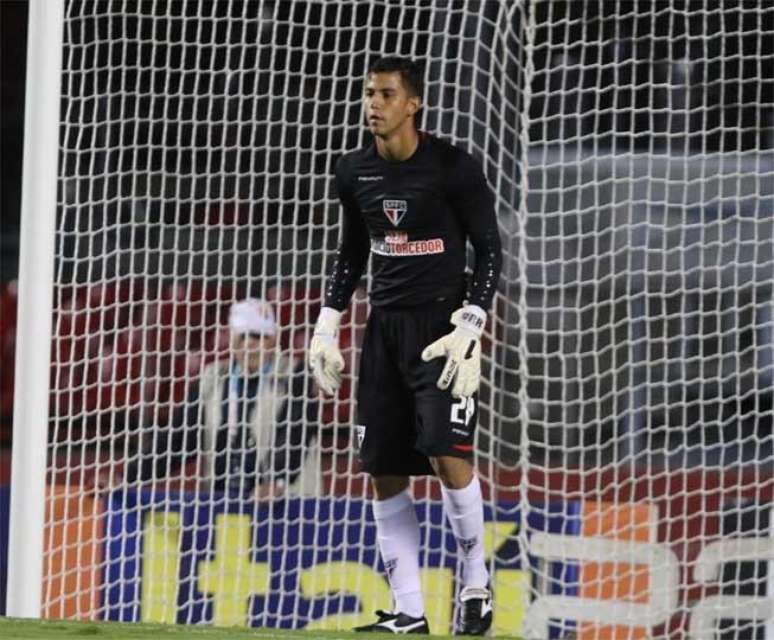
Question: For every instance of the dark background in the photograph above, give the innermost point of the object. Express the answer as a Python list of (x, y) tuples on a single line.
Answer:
[(13, 55), (153, 157), (613, 106), (13, 52)]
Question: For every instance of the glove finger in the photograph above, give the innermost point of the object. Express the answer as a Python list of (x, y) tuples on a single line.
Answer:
[(448, 373), (465, 386), (336, 361), (434, 350), (334, 365), (458, 389), (333, 379), (328, 383), (316, 364), (462, 384)]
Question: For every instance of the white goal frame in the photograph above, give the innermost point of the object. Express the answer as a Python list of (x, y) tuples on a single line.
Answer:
[(33, 338)]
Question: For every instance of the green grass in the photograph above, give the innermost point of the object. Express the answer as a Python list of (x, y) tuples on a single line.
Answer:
[(18, 629), (13, 628)]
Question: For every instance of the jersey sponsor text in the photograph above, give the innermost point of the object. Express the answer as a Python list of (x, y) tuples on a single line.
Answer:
[(396, 243)]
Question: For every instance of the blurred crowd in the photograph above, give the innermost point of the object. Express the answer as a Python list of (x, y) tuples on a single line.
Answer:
[(190, 161), (124, 354)]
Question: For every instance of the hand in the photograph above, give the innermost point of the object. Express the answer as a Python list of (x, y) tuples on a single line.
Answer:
[(462, 349), (325, 359)]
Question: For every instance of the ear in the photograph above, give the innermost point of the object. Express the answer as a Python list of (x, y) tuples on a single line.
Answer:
[(415, 104)]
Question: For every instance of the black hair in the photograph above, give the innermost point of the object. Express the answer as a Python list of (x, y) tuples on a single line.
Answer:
[(411, 72)]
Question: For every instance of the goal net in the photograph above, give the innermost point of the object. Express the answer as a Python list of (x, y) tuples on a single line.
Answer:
[(625, 434)]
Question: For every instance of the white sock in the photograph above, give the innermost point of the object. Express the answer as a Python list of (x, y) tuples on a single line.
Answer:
[(397, 531), (465, 510)]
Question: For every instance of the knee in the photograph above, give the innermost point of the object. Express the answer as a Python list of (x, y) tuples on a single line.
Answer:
[(454, 473), (386, 487)]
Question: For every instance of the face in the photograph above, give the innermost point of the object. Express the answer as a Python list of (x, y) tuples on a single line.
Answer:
[(387, 104), (252, 351)]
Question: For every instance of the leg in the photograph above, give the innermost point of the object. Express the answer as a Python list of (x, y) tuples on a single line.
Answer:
[(454, 473), (386, 487), (445, 429), (446, 434), (464, 508), (397, 532), (386, 436)]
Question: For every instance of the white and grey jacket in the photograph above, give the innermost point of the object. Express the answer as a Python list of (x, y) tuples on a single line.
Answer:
[(241, 431)]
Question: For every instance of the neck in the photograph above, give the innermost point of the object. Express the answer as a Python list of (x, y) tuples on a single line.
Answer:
[(400, 146)]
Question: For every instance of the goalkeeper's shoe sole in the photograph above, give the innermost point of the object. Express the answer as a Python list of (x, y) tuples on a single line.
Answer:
[(475, 612), (395, 623)]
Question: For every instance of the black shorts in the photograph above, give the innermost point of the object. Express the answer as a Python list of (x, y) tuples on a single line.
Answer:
[(402, 416)]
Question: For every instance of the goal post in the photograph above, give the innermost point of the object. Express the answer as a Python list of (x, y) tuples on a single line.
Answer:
[(627, 404), (33, 333)]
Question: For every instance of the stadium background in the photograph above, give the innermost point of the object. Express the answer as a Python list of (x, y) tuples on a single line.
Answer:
[(155, 218)]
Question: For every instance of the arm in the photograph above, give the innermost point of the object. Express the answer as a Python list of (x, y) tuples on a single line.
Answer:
[(352, 254), (472, 202), (325, 360), (474, 205)]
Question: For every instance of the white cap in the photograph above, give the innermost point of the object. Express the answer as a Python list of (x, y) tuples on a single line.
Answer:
[(252, 316)]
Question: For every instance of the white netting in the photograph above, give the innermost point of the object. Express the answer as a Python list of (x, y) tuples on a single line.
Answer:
[(625, 433)]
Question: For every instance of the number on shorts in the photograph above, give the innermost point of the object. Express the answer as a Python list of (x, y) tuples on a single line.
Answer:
[(462, 411)]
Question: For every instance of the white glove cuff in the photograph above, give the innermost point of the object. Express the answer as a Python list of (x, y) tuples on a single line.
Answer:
[(328, 322), (470, 317)]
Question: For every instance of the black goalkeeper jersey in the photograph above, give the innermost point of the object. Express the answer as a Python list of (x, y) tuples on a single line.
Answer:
[(414, 218)]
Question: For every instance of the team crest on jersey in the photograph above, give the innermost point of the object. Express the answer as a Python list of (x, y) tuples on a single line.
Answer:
[(394, 210)]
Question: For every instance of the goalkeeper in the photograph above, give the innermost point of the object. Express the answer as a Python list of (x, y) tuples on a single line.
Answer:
[(413, 201)]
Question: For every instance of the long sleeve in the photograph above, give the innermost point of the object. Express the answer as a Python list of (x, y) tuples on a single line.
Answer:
[(352, 254), (474, 205)]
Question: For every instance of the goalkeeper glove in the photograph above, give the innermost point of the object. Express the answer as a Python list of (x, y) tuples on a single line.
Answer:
[(462, 348), (325, 359)]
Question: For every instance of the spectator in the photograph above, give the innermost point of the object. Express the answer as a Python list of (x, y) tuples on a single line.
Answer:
[(248, 423)]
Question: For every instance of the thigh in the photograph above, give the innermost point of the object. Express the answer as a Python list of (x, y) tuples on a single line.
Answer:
[(445, 425), (385, 409)]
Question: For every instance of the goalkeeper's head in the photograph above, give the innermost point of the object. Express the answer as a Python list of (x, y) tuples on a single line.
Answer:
[(410, 72), (253, 334), (408, 77)]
